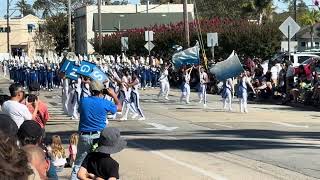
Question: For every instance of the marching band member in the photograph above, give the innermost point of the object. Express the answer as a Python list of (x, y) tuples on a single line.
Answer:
[(135, 98), (243, 92), (203, 86), (127, 92), (186, 85), (164, 82), (227, 93)]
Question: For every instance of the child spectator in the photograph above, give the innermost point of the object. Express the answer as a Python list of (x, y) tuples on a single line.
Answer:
[(73, 148), (99, 164), (58, 154)]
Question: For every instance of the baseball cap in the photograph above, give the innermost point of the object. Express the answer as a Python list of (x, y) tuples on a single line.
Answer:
[(96, 86), (30, 129), (8, 126)]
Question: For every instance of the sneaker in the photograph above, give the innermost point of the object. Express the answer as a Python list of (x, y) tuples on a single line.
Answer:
[(166, 98), (200, 101), (124, 119), (205, 106), (134, 116), (142, 119)]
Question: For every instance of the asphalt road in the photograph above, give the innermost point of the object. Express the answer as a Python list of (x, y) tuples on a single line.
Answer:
[(179, 141)]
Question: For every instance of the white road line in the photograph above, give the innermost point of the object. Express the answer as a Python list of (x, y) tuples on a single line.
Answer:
[(161, 127), (194, 168), (290, 125), (221, 125)]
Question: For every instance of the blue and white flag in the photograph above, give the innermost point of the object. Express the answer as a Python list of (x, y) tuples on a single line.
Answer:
[(187, 57)]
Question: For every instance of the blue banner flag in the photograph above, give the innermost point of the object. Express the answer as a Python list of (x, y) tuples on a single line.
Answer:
[(71, 71), (187, 57), (65, 65), (98, 75), (86, 68), (228, 68)]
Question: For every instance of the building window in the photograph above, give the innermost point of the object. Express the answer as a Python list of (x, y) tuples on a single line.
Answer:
[(4, 29), (30, 27), (303, 44), (316, 44)]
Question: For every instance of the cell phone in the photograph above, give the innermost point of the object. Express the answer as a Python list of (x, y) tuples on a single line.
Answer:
[(32, 98)]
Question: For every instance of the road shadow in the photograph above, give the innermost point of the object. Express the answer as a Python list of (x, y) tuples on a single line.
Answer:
[(202, 141)]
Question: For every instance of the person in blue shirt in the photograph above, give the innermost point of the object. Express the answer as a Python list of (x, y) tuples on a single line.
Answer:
[(93, 114)]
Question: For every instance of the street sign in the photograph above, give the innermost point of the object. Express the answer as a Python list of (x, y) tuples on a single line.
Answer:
[(148, 35), (289, 27), (149, 46), (212, 39), (124, 43)]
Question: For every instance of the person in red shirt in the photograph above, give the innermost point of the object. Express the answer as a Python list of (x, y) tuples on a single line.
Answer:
[(43, 114)]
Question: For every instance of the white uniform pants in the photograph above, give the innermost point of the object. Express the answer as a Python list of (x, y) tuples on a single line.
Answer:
[(73, 104), (244, 103), (185, 92), (203, 93), (164, 89), (65, 100), (228, 101), (127, 105)]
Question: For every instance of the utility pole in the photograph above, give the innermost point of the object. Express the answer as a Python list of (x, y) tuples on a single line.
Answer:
[(295, 15), (69, 26), (99, 24), (186, 22), (8, 27)]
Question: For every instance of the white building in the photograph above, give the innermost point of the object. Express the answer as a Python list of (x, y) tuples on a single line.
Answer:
[(121, 18)]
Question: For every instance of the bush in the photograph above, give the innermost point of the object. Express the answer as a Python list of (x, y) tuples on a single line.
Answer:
[(246, 38)]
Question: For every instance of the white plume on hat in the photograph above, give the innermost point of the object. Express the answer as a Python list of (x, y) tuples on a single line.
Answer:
[(142, 60), (85, 57), (118, 59)]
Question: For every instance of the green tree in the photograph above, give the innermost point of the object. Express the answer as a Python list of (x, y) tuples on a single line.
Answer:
[(24, 8), (47, 7), (258, 9), (54, 32), (161, 1), (310, 19)]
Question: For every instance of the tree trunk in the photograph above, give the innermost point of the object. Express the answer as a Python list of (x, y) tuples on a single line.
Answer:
[(312, 37), (260, 18)]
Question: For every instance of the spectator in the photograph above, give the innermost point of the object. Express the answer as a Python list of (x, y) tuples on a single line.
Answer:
[(30, 133), (99, 164), (7, 126), (13, 107), (58, 154), (37, 159), (43, 114), (274, 75), (93, 114), (73, 148), (13, 161)]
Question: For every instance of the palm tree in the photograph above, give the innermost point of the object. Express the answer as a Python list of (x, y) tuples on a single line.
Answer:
[(260, 8), (310, 19), (24, 8), (45, 6)]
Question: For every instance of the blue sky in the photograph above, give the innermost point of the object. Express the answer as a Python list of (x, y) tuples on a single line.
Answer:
[(281, 6)]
